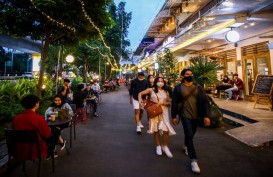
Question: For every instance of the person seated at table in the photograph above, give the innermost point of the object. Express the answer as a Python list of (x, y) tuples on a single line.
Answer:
[(237, 85), (106, 86), (224, 84), (30, 120), (57, 105), (112, 85), (96, 87), (90, 93)]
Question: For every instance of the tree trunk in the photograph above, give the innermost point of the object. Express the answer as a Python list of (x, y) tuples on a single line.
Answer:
[(43, 62), (84, 72)]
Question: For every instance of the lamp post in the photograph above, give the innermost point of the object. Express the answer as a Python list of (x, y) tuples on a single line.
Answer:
[(99, 70), (106, 63), (69, 59)]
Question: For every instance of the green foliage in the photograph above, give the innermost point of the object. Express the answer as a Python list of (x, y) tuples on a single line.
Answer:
[(38, 20), (119, 31), (75, 82), (167, 64), (11, 93), (21, 18), (204, 71)]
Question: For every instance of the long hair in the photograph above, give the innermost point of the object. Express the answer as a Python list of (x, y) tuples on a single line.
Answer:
[(58, 96), (155, 85), (148, 80)]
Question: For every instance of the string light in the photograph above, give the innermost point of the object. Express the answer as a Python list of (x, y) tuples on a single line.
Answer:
[(105, 56), (97, 28), (51, 19)]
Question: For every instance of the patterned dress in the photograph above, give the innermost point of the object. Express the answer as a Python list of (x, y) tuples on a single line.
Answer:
[(162, 122)]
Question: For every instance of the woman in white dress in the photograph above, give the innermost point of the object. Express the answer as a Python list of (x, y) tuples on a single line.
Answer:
[(160, 125)]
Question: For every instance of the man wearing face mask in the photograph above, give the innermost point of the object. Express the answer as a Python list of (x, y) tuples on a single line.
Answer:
[(190, 103), (138, 85)]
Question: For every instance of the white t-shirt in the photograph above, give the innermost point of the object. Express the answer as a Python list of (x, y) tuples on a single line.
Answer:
[(96, 87)]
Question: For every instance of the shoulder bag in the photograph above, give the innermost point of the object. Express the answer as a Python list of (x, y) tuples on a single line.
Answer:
[(153, 109)]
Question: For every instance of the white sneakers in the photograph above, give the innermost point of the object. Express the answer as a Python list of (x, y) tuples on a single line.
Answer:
[(158, 150), (140, 124), (138, 129), (194, 167), (164, 149), (167, 151)]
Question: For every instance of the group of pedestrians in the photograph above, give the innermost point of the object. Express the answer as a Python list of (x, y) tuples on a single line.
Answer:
[(188, 101)]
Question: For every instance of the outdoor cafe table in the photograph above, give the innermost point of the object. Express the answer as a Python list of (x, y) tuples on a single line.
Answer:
[(58, 122)]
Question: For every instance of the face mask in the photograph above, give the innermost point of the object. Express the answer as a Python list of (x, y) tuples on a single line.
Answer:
[(160, 84), (140, 79), (152, 80), (189, 78)]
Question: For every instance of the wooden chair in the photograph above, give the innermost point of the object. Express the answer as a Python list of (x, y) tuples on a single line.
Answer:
[(17, 138), (237, 95), (222, 94)]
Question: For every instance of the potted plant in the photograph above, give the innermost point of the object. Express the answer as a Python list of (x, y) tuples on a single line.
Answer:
[(204, 71)]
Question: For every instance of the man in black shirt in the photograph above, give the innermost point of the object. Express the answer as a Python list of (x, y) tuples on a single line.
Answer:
[(64, 90), (138, 85)]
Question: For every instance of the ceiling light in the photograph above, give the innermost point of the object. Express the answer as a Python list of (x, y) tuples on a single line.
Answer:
[(232, 36), (209, 18), (202, 35), (227, 4)]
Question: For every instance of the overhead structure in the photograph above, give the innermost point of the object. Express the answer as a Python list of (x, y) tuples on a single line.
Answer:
[(188, 26)]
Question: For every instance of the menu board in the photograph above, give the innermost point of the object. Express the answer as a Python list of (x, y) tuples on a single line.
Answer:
[(263, 85)]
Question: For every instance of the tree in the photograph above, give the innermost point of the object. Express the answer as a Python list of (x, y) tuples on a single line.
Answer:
[(53, 22), (91, 53), (167, 64), (116, 36)]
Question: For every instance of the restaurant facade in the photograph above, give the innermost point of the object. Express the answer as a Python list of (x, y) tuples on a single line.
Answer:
[(236, 34)]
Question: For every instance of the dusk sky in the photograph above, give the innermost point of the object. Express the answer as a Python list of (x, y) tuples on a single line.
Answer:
[(143, 13)]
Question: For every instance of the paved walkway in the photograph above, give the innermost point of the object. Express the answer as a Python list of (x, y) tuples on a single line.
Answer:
[(260, 113), (108, 146)]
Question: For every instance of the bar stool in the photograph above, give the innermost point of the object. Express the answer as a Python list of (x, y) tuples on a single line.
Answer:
[(80, 113)]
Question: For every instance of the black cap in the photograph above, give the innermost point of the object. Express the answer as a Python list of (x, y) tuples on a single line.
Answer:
[(140, 74), (88, 84)]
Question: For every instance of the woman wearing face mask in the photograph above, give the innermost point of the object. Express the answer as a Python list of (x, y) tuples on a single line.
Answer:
[(193, 107), (160, 125)]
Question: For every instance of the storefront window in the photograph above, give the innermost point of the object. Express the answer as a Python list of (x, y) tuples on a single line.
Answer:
[(262, 67), (249, 75), (231, 68)]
